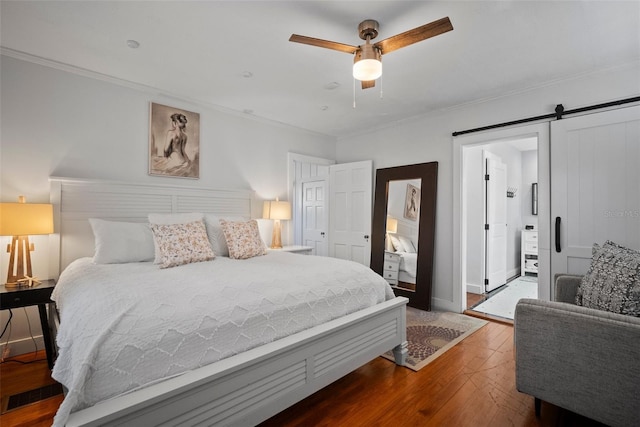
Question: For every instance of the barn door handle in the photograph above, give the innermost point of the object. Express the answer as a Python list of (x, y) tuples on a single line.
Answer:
[(322, 233), (366, 237), (558, 248)]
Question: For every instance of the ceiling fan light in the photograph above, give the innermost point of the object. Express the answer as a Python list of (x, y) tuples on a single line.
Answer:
[(366, 63), (367, 69)]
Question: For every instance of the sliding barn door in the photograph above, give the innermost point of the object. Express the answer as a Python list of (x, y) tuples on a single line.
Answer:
[(350, 213), (595, 186)]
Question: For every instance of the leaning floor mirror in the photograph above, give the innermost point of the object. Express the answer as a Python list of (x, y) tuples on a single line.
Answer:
[(403, 230)]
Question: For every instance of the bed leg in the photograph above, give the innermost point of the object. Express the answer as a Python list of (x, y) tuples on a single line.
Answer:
[(400, 353)]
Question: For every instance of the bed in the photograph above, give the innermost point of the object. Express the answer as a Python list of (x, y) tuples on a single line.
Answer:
[(241, 381), (408, 267), (404, 243)]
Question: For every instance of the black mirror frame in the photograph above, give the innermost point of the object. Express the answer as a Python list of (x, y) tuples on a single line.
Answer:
[(428, 173)]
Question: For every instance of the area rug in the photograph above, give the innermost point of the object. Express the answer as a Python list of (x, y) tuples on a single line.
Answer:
[(431, 333)]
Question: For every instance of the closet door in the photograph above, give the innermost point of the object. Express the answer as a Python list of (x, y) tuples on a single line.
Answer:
[(595, 186), (350, 214), (315, 218)]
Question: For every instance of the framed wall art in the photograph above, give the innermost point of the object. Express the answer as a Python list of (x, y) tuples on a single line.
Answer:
[(412, 202), (174, 142)]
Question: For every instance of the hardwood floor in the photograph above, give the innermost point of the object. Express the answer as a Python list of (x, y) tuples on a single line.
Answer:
[(473, 384), (24, 373)]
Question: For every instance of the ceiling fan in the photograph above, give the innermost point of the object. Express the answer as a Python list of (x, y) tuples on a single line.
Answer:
[(367, 60)]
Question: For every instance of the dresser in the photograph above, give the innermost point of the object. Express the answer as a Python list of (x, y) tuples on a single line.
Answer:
[(391, 267), (529, 253)]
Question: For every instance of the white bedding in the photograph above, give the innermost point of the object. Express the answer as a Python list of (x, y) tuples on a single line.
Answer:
[(127, 325), (409, 263)]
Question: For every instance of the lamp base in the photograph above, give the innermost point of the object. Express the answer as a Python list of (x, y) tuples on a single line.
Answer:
[(19, 261), (276, 236)]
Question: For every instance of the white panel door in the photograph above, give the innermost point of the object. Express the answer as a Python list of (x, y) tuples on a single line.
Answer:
[(495, 222), (350, 214), (315, 227), (595, 185)]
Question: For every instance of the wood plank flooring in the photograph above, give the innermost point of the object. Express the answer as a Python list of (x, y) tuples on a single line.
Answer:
[(473, 384), (24, 373)]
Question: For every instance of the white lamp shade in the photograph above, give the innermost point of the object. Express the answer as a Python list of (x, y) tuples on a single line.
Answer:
[(25, 219), (392, 225), (367, 69), (276, 210)]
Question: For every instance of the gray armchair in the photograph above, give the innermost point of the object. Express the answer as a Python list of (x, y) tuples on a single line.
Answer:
[(577, 358)]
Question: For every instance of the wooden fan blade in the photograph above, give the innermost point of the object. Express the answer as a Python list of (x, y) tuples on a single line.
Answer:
[(323, 43), (418, 34), (366, 84)]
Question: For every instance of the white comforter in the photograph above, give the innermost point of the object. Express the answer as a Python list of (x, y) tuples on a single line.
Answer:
[(126, 325), (409, 263)]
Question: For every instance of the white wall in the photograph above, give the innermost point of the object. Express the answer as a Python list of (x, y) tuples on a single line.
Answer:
[(428, 138), (58, 123)]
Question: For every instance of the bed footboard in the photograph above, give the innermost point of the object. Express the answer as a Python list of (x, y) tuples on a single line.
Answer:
[(250, 387)]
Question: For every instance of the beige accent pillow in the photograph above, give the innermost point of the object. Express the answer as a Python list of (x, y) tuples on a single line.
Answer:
[(171, 218), (215, 233), (180, 244), (243, 239)]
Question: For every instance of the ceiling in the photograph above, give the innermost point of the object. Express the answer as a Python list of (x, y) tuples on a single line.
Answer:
[(235, 55)]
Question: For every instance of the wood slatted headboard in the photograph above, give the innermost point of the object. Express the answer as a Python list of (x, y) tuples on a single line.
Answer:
[(77, 200)]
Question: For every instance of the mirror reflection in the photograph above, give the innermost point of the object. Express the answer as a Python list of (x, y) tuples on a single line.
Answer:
[(403, 215), (402, 231)]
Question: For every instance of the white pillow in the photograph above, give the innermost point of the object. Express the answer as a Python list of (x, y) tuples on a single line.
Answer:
[(171, 218), (215, 233), (407, 244), (121, 242), (397, 245)]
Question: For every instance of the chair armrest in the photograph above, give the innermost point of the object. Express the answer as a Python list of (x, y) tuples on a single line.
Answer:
[(578, 358), (567, 287)]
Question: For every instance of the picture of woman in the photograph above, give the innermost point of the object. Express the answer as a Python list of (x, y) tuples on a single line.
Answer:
[(174, 142), (412, 202)]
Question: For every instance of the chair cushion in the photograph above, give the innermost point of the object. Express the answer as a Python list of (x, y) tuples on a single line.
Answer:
[(613, 280)]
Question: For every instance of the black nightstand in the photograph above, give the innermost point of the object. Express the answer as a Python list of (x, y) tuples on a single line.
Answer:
[(27, 296)]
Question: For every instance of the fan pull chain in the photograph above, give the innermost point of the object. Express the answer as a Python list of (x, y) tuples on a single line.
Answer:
[(354, 93), (380, 81)]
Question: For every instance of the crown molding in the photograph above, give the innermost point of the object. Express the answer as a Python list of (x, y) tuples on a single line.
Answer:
[(154, 91)]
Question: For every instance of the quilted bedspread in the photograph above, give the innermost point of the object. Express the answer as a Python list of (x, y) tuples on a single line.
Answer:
[(123, 326)]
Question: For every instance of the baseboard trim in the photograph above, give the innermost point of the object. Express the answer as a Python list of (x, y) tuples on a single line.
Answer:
[(23, 346)]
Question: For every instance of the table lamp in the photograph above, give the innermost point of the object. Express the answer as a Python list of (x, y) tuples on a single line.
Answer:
[(392, 225), (276, 210), (21, 220)]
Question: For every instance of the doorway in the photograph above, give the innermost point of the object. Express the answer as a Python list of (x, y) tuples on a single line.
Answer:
[(525, 152), (495, 233)]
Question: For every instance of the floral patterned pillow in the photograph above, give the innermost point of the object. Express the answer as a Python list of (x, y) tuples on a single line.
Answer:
[(613, 280), (243, 239), (182, 243)]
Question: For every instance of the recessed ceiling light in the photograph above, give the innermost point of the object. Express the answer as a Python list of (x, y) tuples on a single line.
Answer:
[(247, 74), (247, 111), (133, 44), (324, 107), (332, 86)]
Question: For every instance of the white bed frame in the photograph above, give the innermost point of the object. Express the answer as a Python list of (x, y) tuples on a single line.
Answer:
[(247, 388)]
